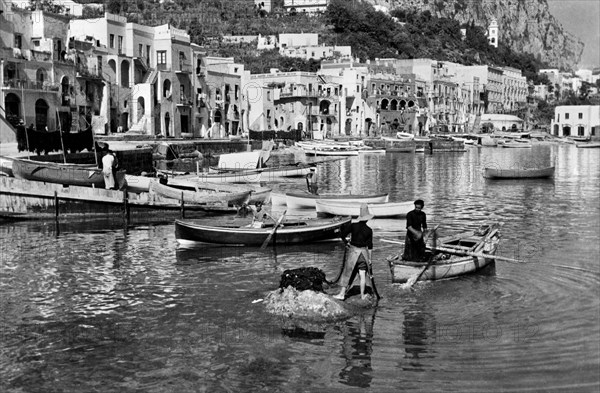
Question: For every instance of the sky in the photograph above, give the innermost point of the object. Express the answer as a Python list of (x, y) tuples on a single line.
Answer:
[(582, 18)]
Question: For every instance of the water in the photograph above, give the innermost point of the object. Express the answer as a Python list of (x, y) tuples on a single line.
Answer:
[(96, 307)]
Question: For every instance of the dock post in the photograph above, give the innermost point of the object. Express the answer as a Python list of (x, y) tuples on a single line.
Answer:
[(55, 205), (125, 207), (182, 206)]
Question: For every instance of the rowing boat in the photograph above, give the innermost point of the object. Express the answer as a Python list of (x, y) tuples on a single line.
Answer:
[(454, 261), (51, 172), (379, 209), (290, 232), (525, 173), (298, 200), (199, 197)]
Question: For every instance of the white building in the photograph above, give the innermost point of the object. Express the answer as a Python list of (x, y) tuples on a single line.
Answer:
[(308, 6), (492, 33), (576, 121), (298, 40)]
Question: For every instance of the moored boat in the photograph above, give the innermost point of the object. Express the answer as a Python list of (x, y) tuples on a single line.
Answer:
[(290, 232), (344, 208), (588, 145), (6, 166), (517, 144), (455, 260), (51, 172), (199, 197), (525, 173), (299, 200), (192, 183)]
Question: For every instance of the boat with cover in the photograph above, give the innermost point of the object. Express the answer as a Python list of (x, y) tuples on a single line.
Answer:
[(289, 232), (52, 172), (199, 197), (380, 209), (303, 200), (524, 173), (452, 256)]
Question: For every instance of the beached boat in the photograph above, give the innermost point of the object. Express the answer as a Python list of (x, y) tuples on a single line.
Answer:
[(199, 197), (383, 209), (299, 200), (290, 232), (192, 183), (517, 144), (51, 172), (588, 145), (525, 173), (455, 260), (328, 148)]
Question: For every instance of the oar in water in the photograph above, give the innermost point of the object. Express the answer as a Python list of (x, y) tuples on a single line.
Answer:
[(370, 272), (277, 224)]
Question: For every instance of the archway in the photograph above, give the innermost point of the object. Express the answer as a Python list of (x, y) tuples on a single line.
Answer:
[(217, 117), (167, 124), (125, 73), (394, 105), (112, 65), (348, 127), (384, 104), (13, 108), (566, 130), (41, 114), (411, 104), (40, 77), (402, 104), (141, 108), (556, 128), (166, 88), (324, 107)]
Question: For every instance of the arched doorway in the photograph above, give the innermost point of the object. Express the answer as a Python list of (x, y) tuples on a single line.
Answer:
[(40, 77), (166, 88), (141, 110), (125, 73), (324, 107), (41, 114), (556, 129), (384, 104), (566, 131), (348, 126), (13, 108), (167, 124)]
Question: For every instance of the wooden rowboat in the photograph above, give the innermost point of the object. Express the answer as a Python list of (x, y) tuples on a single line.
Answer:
[(307, 200), (535, 173), (192, 183), (588, 145), (483, 241), (51, 172), (383, 209), (199, 197), (290, 232)]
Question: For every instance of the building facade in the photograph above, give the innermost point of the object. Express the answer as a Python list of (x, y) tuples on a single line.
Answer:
[(576, 121)]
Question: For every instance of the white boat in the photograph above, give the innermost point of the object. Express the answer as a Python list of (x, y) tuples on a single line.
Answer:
[(370, 150), (379, 209), (517, 144), (588, 145), (298, 200), (328, 148), (405, 135), (192, 183)]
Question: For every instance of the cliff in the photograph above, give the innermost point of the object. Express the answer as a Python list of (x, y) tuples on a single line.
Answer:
[(524, 25)]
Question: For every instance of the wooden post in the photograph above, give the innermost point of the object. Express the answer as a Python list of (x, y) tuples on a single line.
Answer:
[(62, 143), (182, 206), (56, 205), (125, 207)]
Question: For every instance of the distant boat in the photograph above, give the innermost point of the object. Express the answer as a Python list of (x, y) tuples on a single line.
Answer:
[(493, 173), (517, 144), (307, 200), (52, 172), (378, 209), (588, 145)]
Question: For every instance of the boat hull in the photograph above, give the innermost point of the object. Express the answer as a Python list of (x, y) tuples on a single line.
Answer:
[(540, 173), (312, 231), (306, 200), (389, 209), (454, 267), (68, 174), (196, 197)]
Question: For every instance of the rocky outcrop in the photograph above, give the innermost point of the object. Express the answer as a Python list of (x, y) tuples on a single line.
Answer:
[(525, 25)]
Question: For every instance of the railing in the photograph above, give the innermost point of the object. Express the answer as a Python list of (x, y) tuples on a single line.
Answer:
[(185, 67), (30, 85), (309, 94)]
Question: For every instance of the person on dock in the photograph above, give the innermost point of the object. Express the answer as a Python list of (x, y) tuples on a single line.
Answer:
[(416, 223), (360, 248), (108, 162)]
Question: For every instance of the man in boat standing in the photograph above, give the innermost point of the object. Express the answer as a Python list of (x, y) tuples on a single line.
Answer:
[(416, 224), (108, 162), (358, 253)]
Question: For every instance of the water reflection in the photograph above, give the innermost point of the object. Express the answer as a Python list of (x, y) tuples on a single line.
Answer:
[(357, 348), (417, 325)]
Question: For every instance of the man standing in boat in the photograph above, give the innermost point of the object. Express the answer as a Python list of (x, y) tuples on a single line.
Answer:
[(416, 223), (359, 252)]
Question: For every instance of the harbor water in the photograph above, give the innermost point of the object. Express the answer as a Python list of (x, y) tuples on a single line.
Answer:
[(92, 306)]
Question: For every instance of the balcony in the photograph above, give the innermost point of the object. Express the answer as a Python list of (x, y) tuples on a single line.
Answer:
[(184, 101), (184, 67), (19, 84)]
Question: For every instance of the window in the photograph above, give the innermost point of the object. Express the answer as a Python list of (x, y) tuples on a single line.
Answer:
[(120, 44), (19, 41), (268, 96), (580, 131), (111, 41), (566, 116), (182, 92), (161, 57), (148, 55), (140, 50), (36, 42), (580, 115)]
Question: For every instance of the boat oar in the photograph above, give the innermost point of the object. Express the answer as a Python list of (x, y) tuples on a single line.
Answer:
[(370, 271), (474, 254), (277, 224)]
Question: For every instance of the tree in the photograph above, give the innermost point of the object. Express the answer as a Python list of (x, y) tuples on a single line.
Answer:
[(47, 6), (113, 6)]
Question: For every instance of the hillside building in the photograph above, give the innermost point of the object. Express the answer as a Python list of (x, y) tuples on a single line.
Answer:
[(576, 121)]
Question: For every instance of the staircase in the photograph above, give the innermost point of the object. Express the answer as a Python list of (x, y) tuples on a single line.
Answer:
[(141, 127), (151, 76)]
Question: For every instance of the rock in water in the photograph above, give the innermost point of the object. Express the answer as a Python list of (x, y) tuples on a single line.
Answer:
[(313, 306)]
